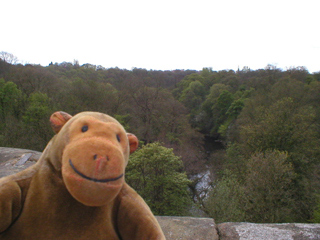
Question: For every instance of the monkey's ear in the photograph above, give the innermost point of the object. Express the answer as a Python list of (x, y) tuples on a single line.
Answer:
[(133, 142), (58, 119)]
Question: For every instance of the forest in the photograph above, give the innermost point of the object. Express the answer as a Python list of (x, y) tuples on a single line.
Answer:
[(252, 134)]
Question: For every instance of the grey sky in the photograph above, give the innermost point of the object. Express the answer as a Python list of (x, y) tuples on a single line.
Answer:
[(165, 35)]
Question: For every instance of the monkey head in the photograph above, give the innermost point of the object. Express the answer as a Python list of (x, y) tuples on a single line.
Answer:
[(94, 151)]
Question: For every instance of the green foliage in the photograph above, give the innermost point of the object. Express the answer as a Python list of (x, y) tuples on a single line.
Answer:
[(11, 101), (220, 108), (269, 188), (155, 172), (35, 121), (10, 97), (226, 200), (89, 95), (184, 84), (123, 120), (289, 126), (235, 108), (283, 126), (234, 111), (209, 122), (37, 109), (255, 114), (224, 101), (193, 95), (265, 193), (316, 214)]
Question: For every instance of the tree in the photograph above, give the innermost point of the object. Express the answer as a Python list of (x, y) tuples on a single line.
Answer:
[(184, 83), (283, 126), (269, 188), (8, 57), (219, 110), (192, 97), (11, 109), (156, 115), (37, 130), (316, 214), (264, 192), (31, 78), (10, 97), (288, 127), (85, 95), (235, 108), (207, 122), (156, 174), (226, 201), (223, 103)]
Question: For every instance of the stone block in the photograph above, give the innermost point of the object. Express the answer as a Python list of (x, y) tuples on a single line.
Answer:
[(13, 160), (254, 231), (188, 228)]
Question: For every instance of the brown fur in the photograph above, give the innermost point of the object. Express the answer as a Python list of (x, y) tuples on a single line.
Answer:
[(50, 200)]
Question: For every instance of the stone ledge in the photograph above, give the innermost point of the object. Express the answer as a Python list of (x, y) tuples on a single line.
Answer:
[(283, 231), (188, 228), (13, 160)]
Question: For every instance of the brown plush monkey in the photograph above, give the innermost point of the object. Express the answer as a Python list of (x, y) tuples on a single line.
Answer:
[(77, 189)]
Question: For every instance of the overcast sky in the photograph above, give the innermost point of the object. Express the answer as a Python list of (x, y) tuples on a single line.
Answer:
[(164, 35)]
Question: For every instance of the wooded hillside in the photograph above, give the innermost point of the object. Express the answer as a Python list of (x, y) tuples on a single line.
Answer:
[(257, 132)]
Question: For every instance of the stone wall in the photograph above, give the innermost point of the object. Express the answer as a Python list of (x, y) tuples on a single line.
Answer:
[(186, 228), (13, 160), (205, 228)]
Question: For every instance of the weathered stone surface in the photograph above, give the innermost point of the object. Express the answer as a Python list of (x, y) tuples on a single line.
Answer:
[(13, 160), (253, 231), (188, 228)]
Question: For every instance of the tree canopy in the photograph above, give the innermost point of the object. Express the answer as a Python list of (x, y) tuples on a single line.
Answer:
[(156, 173), (245, 127)]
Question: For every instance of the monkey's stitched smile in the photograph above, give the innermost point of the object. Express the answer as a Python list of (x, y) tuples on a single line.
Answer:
[(93, 179)]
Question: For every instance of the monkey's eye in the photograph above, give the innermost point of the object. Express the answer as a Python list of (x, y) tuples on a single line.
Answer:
[(84, 128), (118, 138)]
